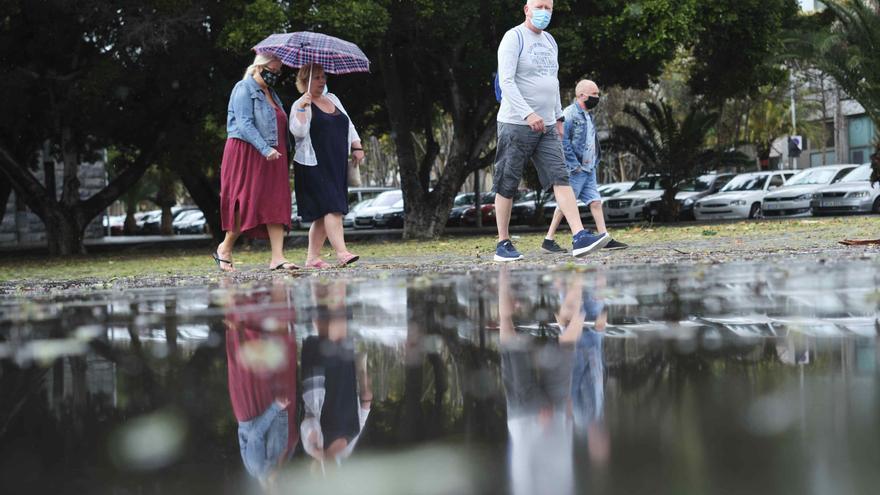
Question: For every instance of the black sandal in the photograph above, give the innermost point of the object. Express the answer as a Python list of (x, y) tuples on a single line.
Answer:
[(219, 260)]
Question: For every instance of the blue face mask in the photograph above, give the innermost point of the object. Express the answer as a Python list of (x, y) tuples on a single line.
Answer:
[(541, 18)]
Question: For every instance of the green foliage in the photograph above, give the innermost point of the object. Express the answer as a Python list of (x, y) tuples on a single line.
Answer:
[(258, 19), (736, 46), (846, 48), (673, 147)]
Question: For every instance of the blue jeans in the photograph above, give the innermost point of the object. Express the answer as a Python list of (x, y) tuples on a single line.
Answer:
[(585, 186)]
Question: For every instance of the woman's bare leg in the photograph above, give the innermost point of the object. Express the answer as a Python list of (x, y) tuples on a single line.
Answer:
[(224, 250)]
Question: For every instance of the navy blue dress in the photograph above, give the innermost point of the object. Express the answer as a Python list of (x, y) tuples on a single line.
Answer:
[(323, 189)]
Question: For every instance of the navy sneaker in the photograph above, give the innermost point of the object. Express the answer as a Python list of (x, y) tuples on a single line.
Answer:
[(585, 242), (551, 246), (505, 251), (615, 245)]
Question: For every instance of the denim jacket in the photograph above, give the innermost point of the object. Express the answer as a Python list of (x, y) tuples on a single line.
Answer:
[(263, 440), (251, 118), (574, 137)]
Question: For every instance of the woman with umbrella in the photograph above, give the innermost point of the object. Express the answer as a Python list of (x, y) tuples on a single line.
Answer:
[(325, 136), (254, 184)]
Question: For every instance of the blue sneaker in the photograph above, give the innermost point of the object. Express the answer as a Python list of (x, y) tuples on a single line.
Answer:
[(505, 251), (585, 242)]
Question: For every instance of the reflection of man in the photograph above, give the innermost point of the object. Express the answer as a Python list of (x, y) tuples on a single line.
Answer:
[(336, 389), (588, 381), (261, 369), (537, 383), (529, 127)]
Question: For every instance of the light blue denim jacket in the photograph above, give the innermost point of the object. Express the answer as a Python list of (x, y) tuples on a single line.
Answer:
[(263, 440), (251, 118), (574, 137)]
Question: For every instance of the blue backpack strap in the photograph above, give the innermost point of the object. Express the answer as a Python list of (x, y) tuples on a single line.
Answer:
[(497, 81)]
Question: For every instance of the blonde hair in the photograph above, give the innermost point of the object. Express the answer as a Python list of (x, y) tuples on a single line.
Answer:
[(302, 77), (260, 61)]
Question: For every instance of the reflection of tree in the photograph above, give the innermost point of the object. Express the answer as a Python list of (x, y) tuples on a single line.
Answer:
[(449, 382)]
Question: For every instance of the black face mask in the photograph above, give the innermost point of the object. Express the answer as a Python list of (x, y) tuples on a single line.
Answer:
[(591, 102), (270, 78)]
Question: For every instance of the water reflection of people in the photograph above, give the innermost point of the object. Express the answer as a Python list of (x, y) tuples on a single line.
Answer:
[(261, 358), (537, 383), (336, 389), (588, 380)]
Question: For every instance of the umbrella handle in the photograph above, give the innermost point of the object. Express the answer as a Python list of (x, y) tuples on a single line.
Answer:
[(309, 91)]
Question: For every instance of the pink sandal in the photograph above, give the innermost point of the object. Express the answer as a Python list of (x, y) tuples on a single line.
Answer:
[(319, 265), (348, 259)]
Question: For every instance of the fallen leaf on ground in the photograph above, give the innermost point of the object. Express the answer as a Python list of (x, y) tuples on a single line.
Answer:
[(859, 242)]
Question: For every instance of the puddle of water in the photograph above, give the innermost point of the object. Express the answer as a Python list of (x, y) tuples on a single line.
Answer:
[(736, 379)]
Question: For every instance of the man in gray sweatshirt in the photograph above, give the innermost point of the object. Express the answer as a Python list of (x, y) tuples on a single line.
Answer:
[(530, 127)]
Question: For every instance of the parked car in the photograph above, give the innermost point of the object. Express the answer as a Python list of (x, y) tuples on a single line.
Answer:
[(190, 222), (348, 219), (688, 193), (853, 194), (116, 224), (389, 217), (145, 218), (793, 199), (630, 205), (364, 219), (462, 202), (359, 194), (153, 224), (741, 197), (551, 204), (614, 189)]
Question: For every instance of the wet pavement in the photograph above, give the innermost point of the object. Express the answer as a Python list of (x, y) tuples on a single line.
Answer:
[(730, 378)]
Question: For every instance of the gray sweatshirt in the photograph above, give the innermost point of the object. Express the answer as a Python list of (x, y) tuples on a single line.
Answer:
[(527, 73)]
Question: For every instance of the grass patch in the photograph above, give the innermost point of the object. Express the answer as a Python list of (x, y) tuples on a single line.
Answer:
[(178, 262)]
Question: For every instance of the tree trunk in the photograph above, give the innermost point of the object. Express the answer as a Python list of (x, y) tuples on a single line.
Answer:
[(165, 200), (67, 219), (5, 192), (205, 194), (64, 231), (670, 205)]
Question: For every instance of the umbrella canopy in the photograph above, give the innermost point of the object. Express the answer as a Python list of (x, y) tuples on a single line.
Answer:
[(336, 56)]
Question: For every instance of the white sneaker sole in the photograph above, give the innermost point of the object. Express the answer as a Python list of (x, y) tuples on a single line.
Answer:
[(502, 258), (577, 253)]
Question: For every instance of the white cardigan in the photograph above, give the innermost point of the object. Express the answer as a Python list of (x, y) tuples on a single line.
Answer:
[(305, 153)]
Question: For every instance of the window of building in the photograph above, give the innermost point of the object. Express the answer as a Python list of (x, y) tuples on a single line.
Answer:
[(816, 159)]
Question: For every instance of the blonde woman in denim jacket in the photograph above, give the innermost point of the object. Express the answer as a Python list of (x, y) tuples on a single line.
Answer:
[(254, 175)]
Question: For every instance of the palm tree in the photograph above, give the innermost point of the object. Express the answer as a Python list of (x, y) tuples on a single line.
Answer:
[(847, 50), (671, 147)]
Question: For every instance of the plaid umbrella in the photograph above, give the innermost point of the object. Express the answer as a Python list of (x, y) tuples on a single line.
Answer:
[(336, 56)]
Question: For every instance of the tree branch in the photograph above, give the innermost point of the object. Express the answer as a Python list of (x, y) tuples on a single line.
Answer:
[(23, 182)]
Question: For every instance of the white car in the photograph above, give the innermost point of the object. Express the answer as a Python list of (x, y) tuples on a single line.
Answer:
[(741, 197), (853, 194), (364, 218), (630, 205), (348, 219), (614, 189), (793, 199)]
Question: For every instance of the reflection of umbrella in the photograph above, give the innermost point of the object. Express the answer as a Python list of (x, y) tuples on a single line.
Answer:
[(336, 56)]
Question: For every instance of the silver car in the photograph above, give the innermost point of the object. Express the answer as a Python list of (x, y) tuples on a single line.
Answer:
[(629, 206), (793, 199), (853, 194)]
